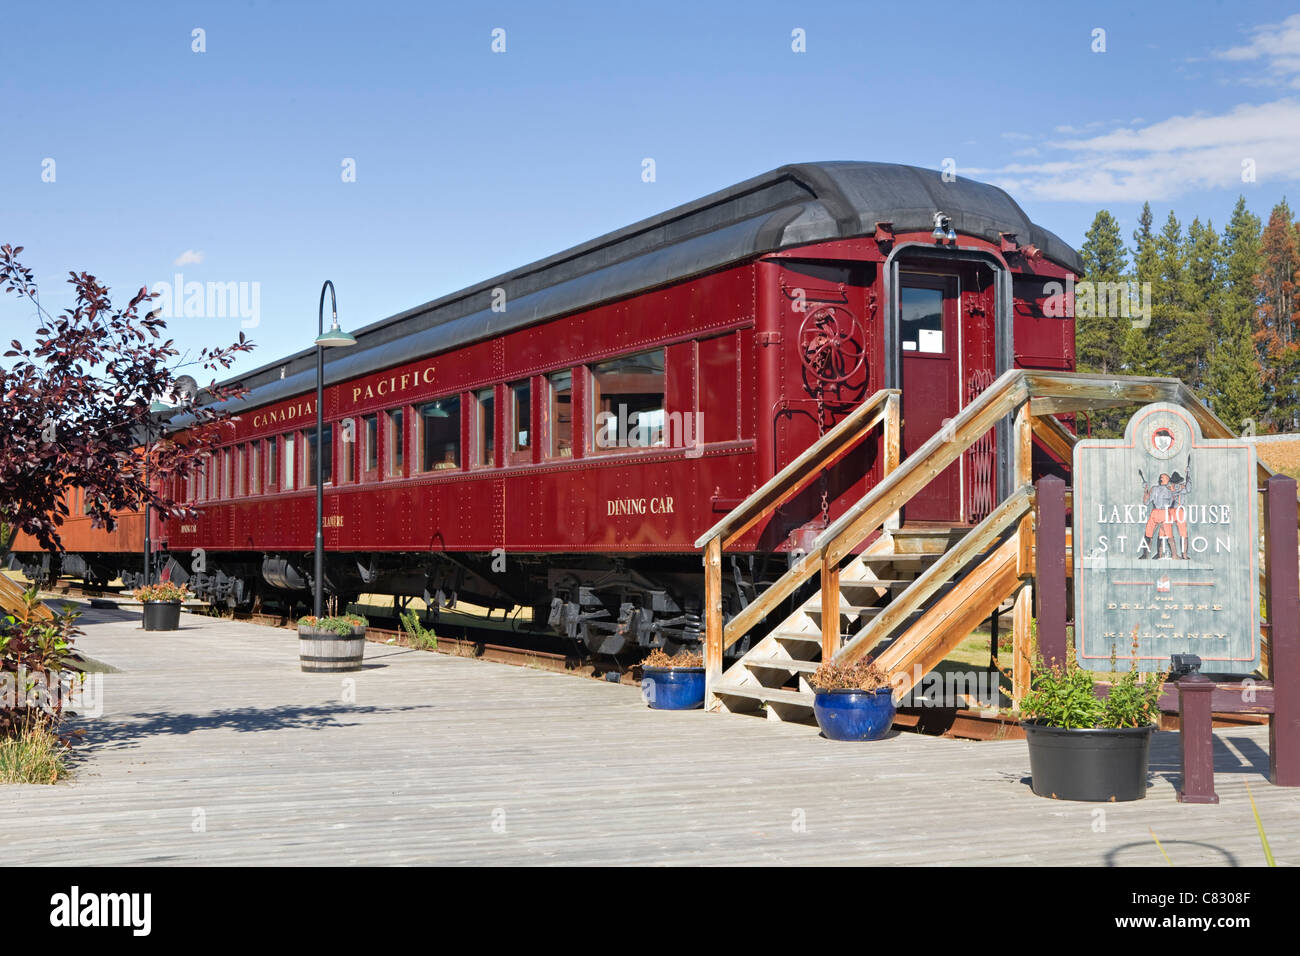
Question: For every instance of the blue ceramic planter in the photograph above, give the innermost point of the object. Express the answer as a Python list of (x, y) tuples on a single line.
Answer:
[(854, 714), (673, 688)]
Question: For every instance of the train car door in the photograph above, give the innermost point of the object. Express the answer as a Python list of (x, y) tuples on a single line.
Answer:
[(930, 364)]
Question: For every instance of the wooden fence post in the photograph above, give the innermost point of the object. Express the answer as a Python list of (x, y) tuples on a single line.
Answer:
[(712, 619), (1049, 569), (1196, 740), (1282, 607)]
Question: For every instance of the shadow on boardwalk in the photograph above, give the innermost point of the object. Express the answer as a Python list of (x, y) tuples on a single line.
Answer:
[(128, 730)]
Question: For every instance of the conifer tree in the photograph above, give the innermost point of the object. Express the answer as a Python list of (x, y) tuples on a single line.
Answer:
[(1099, 337), (1235, 386), (1139, 356), (1278, 315)]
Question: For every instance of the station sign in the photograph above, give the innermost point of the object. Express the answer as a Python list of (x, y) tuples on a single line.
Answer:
[(1166, 547)]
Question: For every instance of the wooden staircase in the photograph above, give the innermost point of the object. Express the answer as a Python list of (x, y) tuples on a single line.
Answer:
[(773, 675), (905, 597)]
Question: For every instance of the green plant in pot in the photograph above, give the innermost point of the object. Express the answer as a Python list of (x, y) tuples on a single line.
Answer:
[(330, 645), (1088, 747), (162, 605)]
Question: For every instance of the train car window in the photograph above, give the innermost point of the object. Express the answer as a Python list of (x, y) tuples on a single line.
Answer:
[(200, 480), (326, 456), (485, 425), (370, 439), (272, 474), (348, 450), (719, 418), (440, 434), (396, 439), (561, 414), (921, 319), (519, 421), (227, 461), (255, 467), (288, 439), (628, 401), (240, 464)]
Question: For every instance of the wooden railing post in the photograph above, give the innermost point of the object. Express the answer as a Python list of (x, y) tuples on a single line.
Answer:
[(893, 449), (830, 607), (1049, 569), (1282, 606), (712, 619), (1022, 614), (1196, 739)]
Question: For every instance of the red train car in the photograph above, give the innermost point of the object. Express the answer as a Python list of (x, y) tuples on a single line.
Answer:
[(558, 436)]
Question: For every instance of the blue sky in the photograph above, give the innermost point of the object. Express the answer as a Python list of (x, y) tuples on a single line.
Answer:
[(469, 162)]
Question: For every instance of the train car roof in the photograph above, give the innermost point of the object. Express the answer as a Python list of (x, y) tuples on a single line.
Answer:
[(790, 206)]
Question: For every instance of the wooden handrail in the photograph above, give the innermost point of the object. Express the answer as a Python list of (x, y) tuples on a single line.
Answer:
[(942, 448), (790, 480), (975, 542), (870, 512)]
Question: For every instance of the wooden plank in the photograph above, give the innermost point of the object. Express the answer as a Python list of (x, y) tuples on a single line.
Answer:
[(923, 465), (893, 449), (860, 520), (951, 619), (830, 608), (940, 572), (1022, 616), (712, 619), (1055, 437), (12, 602)]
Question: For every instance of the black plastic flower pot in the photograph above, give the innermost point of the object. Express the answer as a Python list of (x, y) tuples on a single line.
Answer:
[(162, 615), (1094, 765)]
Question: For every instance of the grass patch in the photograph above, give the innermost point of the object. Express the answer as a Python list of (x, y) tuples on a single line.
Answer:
[(34, 756)]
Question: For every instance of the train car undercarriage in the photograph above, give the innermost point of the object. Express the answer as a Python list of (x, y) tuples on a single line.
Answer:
[(608, 606)]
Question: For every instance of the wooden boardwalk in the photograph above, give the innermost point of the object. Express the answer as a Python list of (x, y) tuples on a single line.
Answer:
[(213, 748)]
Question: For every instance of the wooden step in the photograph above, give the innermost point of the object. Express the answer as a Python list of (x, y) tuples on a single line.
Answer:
[(754, 692), (851, 610), (927, 540), (813, 636), (783, 664)]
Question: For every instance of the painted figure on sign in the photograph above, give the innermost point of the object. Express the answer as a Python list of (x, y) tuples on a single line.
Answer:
[(1159, 495), (1181, 485)]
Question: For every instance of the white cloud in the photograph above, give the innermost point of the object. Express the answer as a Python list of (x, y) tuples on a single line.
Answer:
[(189, 257), (1276, 47), (1164, 159)]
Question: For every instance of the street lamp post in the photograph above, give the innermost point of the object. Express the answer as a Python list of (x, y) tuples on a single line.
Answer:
[(335, 338), (155, 408)]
